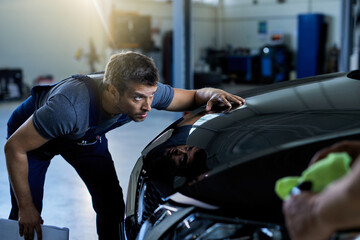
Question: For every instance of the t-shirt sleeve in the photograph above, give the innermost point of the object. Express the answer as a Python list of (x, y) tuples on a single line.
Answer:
[(57, 117), (163, 96)]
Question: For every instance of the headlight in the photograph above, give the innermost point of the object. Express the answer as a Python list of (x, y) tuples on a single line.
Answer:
[(193, 228), (203, 226), (141, 202), (183, 223)]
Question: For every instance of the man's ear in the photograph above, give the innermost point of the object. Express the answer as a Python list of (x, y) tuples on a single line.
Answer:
[(113, 91)]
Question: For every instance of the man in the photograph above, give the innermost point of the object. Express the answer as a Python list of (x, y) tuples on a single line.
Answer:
[(71, 118), (311, 216)]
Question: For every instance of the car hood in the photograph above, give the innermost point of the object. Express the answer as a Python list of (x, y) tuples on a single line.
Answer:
[(274, 135)]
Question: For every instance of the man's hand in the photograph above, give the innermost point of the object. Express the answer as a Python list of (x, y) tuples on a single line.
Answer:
[(318, 215), (301, 217), (350, 147), (29, 219), (222, 100), (216, 100)]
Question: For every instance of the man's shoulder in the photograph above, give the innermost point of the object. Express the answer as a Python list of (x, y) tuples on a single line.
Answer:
[(60, 95), (69, 87), (78, 85)]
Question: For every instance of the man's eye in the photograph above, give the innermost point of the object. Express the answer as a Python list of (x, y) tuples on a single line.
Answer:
[(137, 98)]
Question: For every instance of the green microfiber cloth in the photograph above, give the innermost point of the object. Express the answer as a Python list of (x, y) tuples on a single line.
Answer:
[(320, 174)]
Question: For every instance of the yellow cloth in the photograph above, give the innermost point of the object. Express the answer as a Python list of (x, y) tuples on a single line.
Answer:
[(320, 174)]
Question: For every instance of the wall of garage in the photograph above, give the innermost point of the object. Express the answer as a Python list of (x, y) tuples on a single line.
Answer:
[(42, 37), (204, 20), (241, 20)]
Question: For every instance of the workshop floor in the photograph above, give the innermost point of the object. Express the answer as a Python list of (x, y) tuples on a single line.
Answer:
[(66, 201)]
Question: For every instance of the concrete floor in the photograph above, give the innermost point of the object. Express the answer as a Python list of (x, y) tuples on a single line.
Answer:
[(67, 202)]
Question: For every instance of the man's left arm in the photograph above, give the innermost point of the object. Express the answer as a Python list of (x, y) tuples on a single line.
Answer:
[(185, 100)]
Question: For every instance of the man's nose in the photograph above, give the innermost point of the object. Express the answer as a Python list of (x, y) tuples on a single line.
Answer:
[(147, 105)]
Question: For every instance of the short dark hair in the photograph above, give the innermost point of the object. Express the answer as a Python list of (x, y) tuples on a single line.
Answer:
[(126, 67)]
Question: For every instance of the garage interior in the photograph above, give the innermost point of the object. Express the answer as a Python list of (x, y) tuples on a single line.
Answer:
[(230, 44)]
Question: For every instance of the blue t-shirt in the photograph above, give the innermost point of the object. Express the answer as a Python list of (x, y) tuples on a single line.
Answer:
[(63, 109)]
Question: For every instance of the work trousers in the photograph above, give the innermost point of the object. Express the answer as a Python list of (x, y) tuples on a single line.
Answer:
[(92, 162)]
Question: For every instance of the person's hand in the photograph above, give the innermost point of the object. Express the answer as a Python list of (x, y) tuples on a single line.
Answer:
[(351, 147), (29, 219), (301, 218), (221, 101)]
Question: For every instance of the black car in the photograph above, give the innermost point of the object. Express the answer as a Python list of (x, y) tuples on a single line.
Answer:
[(223, 187)]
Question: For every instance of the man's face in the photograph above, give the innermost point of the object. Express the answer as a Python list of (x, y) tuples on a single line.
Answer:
[(181, 155), (136, 101)]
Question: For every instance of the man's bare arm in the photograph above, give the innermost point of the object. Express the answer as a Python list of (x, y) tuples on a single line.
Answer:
[(185, 100), (25, 139)]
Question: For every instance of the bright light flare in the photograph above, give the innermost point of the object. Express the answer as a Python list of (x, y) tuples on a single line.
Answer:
[(103, 22)]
